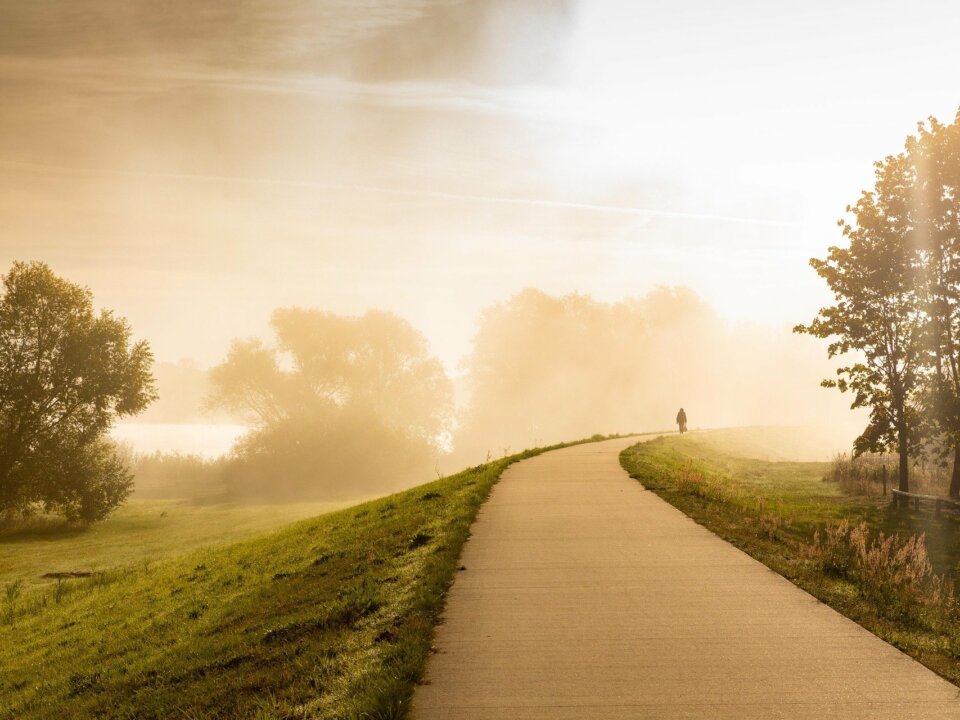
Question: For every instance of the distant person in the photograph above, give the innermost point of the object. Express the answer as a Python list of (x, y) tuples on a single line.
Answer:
[(682, 421)]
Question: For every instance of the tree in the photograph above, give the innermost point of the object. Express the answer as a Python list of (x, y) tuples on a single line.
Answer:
[(324, 362), (66, 373), (547, 368), (934, 157), (341, 404), (878, 286)]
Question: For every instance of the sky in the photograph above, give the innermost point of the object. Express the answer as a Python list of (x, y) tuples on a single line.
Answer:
[(199, 164)]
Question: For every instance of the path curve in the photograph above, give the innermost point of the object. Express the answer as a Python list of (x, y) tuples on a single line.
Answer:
[(585, 596)]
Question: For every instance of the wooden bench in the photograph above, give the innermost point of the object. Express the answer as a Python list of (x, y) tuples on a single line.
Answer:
[(938, 502)]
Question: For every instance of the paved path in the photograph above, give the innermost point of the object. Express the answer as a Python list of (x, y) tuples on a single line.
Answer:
[(585, 596)]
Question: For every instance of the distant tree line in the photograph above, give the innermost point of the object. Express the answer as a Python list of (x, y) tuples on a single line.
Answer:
[(896, 313), (346, 407)]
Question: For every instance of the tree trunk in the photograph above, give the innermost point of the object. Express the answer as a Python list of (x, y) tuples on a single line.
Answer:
[(904, 459), (955, 478), (6, 489)]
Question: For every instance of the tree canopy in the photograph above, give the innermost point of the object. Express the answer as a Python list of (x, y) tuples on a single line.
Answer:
[(339, 402), (897, 298), (323, 362), (66, 373), (545, 368), (934, 156)]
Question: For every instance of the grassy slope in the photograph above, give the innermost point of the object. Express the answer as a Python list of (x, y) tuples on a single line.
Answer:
[(140, 531), (329, 618), (796, 501)]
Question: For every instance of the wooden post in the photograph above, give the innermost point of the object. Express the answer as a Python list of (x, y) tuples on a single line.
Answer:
[(938, 507), (884, 475), (916, 503)]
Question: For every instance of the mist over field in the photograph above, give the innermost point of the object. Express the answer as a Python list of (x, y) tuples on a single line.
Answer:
[(340, 407), (546, 368), (589, 213)]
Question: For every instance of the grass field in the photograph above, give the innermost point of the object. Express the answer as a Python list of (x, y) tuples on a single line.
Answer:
[(331, 617), (772, 510), (141, 531)]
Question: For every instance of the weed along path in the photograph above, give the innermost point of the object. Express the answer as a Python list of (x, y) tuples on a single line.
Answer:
[(585, 596)]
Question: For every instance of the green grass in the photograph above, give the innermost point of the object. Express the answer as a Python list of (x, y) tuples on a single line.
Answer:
[(329, 618), (771, 511), (139, 531)]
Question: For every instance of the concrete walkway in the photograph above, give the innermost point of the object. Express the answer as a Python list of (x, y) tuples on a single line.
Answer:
[(585, 596)]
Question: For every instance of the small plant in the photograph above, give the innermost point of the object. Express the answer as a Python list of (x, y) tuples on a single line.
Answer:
[(690, 480), (770, 524), (268, 707), (196, 608), (832, 551), (357, 601), (13, 591)]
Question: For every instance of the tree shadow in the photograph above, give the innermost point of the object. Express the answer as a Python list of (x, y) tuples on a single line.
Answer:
[(19, 530)]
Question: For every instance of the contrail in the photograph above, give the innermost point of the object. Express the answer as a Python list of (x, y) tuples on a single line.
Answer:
[(399, 192)]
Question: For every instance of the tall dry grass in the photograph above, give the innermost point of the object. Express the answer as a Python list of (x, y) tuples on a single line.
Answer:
[(864, 475), (892, 572)]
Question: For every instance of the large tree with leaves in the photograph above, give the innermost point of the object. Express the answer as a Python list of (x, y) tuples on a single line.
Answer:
[(934, 157), (66, 373), (878, 315), (342, 406)]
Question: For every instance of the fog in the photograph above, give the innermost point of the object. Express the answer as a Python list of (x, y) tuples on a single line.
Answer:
[(546, 369), (205, 440), (199, 166), (341, 407)]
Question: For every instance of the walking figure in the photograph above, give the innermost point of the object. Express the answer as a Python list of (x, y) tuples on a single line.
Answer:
[(682, 421)]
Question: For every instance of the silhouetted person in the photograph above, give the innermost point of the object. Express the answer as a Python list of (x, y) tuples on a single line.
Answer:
[(682, 421)]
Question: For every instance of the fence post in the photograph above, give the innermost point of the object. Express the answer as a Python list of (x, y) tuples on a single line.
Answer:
[(884, 474)]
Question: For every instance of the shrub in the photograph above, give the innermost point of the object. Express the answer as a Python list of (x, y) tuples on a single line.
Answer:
[(690, 480), (894, 574), (832, 551), (770, 523), (178, 476), (12, 591)]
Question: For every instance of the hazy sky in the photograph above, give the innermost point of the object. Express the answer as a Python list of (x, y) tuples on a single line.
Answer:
[(198, 164)]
